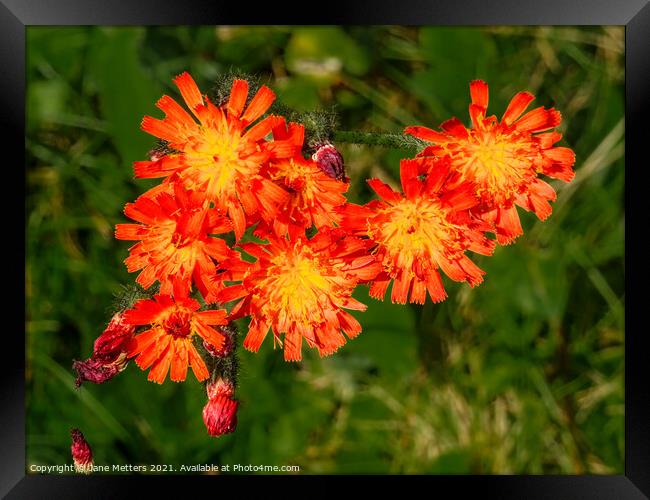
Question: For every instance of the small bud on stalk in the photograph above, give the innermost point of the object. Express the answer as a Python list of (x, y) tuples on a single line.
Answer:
[(330, 161), (220, 412), (82, 454)]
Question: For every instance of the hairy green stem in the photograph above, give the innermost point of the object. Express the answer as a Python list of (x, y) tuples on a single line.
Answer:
[(387, 140)]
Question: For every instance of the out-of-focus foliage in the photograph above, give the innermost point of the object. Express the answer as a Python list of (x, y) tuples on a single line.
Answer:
[(523, 374)]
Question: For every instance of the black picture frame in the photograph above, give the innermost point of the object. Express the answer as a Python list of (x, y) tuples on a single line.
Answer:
[(16, 15)]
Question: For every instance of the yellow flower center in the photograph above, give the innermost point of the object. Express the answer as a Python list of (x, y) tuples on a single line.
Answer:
[(298, 286), (215, 160), (298, 176), (412, 230), (499, 164)]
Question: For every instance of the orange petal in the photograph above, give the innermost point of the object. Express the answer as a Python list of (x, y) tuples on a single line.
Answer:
[(434, 287), (237, 99), (540, 206), (399, 293), (378, 289), (260, 103), (129, 231), (213, 317), (517, 106), (508, 225), (455, 127), (189, 90), (411, 185), (178, 371), (426, 134), (142, 341), (208, 333), (563, 159), (384, 191), (539, 119), (161, 168), (152, 352), (159, 370), (477, 115), (292, 346), (349, 324), (238, 218), (418, 291), (161, 129), (197, 364), (257, 331), (478, 89), (174, 112), (260, 130)]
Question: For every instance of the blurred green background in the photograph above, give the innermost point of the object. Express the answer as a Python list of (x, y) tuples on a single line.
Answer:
[(523, 374)]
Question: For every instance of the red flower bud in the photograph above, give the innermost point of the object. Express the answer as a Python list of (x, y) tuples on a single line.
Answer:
[(82, 454), (220, 387), (220, 412), (109, 353), (330, 161), (220, 415)]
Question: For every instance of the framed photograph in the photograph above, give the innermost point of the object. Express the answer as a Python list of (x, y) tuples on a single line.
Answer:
[(388, 241)]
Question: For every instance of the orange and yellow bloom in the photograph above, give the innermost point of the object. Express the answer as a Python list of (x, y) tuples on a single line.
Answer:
[(299, 289), (313, 195), (503, 158), (426, 228), (223, 153), (174, 240), (168, 344)]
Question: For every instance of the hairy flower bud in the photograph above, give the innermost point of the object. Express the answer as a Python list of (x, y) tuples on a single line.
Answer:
[(330, 161), (82, 454), (220, 387), (220, 412), (109, 353)]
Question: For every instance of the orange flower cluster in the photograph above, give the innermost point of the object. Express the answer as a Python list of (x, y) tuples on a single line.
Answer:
[(231, 169)]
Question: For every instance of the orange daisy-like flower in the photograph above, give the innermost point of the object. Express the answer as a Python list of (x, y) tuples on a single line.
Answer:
[(174, 321), (221, 154), (174, 240), (313, 194), (503, 158), (426, 228), (299, 289)]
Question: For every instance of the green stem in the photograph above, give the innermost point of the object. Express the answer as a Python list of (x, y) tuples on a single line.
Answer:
[(387, 140)]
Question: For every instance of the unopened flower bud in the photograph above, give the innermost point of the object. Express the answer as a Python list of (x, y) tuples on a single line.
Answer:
[(220, 387), (220, 415), (330, 161), (82, 454), (220, 412)]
